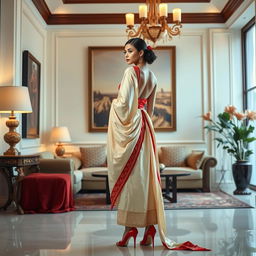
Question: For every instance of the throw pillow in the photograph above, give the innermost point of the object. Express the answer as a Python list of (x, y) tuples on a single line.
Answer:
[(93, 156), (174, 155), (194, 160)]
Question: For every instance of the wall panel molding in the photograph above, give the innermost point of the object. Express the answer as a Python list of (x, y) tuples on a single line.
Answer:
[(32, 144), (226, 88), (200, 37)]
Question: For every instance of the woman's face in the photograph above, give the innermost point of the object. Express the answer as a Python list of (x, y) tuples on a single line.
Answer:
[(132, 55)]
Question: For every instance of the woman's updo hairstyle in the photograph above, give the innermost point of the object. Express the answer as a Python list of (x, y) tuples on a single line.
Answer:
[(149, 56)]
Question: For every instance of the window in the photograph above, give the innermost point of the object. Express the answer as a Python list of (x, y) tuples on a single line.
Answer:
[(249, 80)]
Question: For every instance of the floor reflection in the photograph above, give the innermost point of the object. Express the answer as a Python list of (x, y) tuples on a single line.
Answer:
[(25, 236), (241, 240)]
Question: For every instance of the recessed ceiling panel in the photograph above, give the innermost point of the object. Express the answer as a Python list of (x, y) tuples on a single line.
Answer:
[(58, 7)]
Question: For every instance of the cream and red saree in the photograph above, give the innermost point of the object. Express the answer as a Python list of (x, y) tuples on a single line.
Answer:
[(134, 177)]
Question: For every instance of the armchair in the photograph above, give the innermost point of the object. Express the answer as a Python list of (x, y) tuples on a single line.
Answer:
[(49, 164)]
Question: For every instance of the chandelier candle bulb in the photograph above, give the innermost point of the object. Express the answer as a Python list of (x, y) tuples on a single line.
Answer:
[(143, 11), (176, 15), (129, 19), (163, 10)]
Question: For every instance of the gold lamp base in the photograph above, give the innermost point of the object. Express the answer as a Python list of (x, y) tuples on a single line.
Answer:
[(60, 150), (12, 137)]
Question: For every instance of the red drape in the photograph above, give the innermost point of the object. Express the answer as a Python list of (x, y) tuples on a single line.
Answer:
[(46, 193)]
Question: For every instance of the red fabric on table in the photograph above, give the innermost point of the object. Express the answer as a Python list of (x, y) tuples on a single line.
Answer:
[(46, 193)]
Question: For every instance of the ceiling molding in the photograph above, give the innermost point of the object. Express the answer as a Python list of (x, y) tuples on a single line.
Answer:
[(230, 8), (129, 1), (42, 8), (119, 18)]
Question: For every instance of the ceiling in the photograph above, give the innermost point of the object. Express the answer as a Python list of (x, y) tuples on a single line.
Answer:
[(60, 12)]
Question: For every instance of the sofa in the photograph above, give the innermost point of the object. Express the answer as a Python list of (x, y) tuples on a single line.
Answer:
[(85, 160)]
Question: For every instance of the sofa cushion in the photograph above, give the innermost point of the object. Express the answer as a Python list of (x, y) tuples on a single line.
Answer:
[(173, 155), (194, 160), (78, 175), (93, 156), (87, 173), (194, 174)]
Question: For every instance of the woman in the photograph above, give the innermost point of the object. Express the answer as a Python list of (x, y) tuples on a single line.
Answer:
[(134, 177)]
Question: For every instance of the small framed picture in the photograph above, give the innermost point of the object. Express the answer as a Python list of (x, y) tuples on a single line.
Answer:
[(31, 69)]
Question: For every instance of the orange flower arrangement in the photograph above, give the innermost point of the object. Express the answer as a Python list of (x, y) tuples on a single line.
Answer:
[(235, 130), (251, 115), (207, 116)]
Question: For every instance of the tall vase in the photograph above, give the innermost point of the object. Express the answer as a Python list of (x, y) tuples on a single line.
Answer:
[(242, 172)]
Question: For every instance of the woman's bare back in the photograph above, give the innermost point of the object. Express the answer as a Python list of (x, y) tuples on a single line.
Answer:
[(146, 84), (147, 88)]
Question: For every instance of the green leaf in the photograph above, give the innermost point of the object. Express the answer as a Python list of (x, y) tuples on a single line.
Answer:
[(250, 139)]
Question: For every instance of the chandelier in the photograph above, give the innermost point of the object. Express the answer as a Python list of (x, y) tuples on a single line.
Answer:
[(154, 26)]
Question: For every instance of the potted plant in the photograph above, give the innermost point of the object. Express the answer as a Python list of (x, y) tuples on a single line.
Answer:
[(235, 130)]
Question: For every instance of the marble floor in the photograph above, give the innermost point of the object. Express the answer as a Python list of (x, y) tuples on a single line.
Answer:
[(229, 232)]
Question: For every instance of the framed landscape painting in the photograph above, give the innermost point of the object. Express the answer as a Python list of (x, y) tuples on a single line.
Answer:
[(106, 68), (31, 69)]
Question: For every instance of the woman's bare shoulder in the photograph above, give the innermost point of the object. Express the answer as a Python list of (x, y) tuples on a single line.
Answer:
[(129, 69), (153, 77)]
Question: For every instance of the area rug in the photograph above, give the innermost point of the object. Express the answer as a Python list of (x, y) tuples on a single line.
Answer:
[(185, 200)]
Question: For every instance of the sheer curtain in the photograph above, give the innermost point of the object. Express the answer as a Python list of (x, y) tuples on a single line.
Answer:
[(250, 84)]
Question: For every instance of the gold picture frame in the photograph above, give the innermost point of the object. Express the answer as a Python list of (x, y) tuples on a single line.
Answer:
[(106, 66)]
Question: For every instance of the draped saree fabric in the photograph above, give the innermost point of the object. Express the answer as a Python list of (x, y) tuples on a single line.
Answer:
[(134, 177), (132, 161)]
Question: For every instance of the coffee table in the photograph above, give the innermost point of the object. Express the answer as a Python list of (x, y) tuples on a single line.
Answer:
[(104, 174), (173, 183), (165, 174)]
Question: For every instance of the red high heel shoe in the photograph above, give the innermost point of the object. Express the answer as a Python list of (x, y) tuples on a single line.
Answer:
[(150, 233), (133, 232)]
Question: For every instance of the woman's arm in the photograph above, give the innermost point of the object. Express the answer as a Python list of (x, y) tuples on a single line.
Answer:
[(125, 105)]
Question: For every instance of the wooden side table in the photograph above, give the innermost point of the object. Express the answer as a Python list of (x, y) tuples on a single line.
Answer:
[(9, 164)]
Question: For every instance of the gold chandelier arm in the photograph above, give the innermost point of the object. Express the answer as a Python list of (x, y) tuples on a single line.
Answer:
[(174, 30), (131, 32)]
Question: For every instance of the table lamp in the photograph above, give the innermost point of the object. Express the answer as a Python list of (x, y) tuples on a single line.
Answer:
[(59, 135), (14, 99)]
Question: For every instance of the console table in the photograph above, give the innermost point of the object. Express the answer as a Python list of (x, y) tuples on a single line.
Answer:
[(10, 164)]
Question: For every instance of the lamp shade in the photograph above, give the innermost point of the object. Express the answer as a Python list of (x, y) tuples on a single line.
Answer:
[(14, 98), (60, 134)]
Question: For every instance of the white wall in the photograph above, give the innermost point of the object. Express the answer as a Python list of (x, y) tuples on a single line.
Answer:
[(21, 29), (204, 82), (208, 77), (9, 47), (69, 83)]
